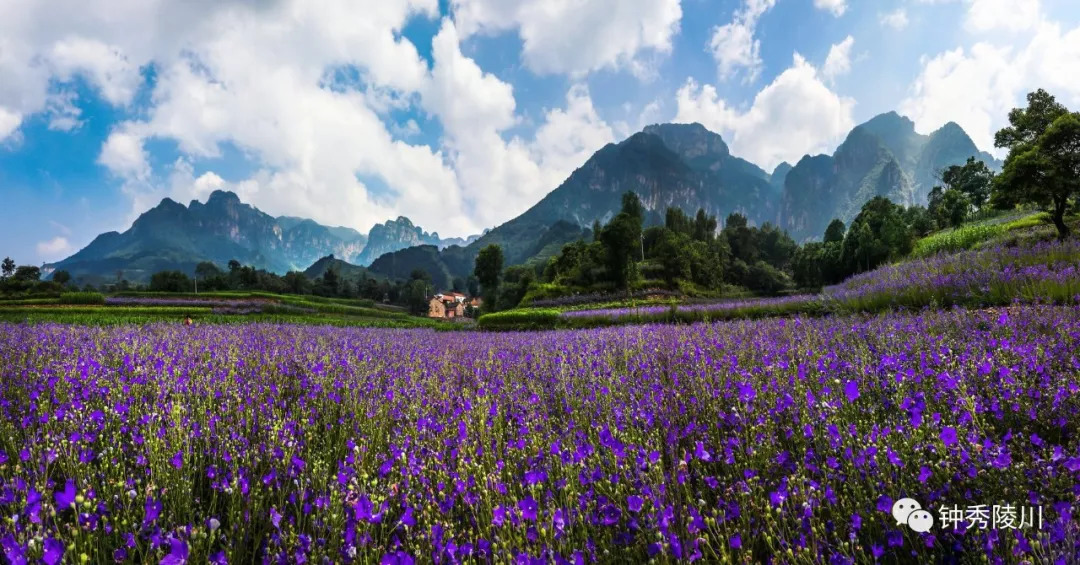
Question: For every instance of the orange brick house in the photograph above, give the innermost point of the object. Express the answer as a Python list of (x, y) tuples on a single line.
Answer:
[(447, 305)]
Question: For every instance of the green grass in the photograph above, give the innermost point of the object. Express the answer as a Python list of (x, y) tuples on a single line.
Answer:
[(83, 298), (323, 312), (970, 235)]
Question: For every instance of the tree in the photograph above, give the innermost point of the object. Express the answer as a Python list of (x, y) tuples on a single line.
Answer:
[(61, 277), (488, 268), (631, 206), (8, 267), (972, 179), (835, 232), (677, 221), (1043, 164), (515, 284), (418, 293), (704, 226), (473, 285), (621, 238), (206, 270), (27, 273), (170, 281)]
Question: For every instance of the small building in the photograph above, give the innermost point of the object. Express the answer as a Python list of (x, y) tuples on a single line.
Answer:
[(447, 305)]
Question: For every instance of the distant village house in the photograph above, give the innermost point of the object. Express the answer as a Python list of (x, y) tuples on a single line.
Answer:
[(450, 305)]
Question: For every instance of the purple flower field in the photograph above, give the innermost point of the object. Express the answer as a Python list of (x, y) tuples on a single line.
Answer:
[(784, 441)]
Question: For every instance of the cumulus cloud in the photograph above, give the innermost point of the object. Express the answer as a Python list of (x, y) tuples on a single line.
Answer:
[(475, 109), (311, 92), (897, 19), (734, 46), (576, 37), (836, 7), (795, 115), (55, 248), (1002, 15), (976, 87), (838, 62)]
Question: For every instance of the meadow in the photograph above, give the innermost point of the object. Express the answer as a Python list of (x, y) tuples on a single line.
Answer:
[(234, 307), (734, 442)]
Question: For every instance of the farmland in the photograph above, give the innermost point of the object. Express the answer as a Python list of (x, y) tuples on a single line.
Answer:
[(724, 442)]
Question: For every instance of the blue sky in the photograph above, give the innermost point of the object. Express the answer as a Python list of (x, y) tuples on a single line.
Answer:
[(462, 113)]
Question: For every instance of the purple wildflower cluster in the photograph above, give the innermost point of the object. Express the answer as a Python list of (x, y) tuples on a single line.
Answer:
[(783, 440), (996, 274)]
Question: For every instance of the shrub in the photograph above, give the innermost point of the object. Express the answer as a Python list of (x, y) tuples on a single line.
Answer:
[(526, 319)]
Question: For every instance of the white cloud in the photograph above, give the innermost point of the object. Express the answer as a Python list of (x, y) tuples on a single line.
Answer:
[(575, 37), (838, 62), (836, 7), (124, 155), (475, 109), (795, 115), (977, 87), (55, 248), (306, 91), (9, 123), (1002, 15), (62, 111), (897, 19), (734, 46), (105, 66)]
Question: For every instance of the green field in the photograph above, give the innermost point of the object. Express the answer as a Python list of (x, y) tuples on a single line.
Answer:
[(215, 307)]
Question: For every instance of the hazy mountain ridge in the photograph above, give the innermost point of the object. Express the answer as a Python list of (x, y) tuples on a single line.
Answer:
[(172, 236)]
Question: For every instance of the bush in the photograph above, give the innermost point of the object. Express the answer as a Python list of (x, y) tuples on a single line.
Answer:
[(532, 319), (83, 298)]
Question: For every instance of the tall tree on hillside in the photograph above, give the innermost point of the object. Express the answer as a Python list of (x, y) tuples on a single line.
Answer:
[(61, 277), (973, 179), (835, 232), (488, 269), (621, 239), (7, 267), (1043, 165)]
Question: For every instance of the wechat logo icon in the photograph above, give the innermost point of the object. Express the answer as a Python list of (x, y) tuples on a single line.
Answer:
[(908, 511)]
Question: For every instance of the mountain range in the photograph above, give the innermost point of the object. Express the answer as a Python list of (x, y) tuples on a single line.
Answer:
[(667, 165), (172, 236)]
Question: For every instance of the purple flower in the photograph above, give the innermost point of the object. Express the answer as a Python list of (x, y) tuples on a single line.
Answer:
[(153, 510), (178, 554), (498, 516), (66, 498), (634, 502), (851, 390), (407, 518), (396, 558), (924, 474), (609, 515), (275, 518), (735, 541), (528, 508), (177, 460), (13, 551), (54, 551), (700, 453), (948, 436)]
